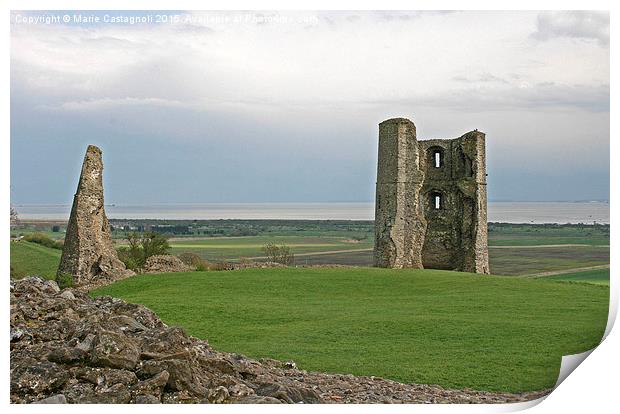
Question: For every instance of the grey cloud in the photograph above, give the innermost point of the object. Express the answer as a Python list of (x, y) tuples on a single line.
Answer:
[(410, 15), (539, 95), (483, 78), (237, 121), (589, 26)]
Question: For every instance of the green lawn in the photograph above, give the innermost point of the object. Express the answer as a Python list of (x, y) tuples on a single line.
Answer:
[(425, 326), (32, 259), (598, 276)]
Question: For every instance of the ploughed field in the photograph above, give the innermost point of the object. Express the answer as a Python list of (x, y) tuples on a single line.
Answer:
[(424, 326)]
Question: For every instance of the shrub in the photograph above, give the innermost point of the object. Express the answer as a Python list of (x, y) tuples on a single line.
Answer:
[(64, 280), (14, 217), (43, 240), (278, 254), (124, 256), (194, 260), (141, 247)]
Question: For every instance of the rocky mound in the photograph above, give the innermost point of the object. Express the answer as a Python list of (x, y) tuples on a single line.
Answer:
[(69, 347), (165, 264)]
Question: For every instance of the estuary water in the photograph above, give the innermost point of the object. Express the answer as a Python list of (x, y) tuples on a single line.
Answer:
[(507, 212)]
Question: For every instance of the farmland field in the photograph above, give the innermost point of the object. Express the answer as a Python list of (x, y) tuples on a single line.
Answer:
[(503, 234), (523, 261), (237, 247), (426, 326), (518, 253)]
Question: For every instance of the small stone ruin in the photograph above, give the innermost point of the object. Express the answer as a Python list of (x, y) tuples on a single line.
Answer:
[(88, 255)]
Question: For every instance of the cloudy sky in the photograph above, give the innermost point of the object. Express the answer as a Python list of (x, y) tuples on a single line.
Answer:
[(270, 107)]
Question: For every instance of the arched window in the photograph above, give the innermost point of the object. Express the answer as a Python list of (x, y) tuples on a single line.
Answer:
[(436, 200), (436, 157)]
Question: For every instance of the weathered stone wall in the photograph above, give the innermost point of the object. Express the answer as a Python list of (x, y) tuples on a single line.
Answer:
[(88, 252), (408, 223), (399, 222)]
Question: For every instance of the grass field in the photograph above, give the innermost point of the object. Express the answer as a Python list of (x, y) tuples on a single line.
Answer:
[(532, 235), (598, 276), (33, 259), (452, 329)]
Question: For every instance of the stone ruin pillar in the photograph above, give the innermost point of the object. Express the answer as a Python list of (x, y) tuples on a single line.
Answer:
[(88, 254), (399, 222)]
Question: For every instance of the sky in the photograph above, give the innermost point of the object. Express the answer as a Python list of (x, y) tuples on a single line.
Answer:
[(285, 106)]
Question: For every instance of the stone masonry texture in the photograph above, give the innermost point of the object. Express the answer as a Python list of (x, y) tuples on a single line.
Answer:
[(431, 200), (88, 253)]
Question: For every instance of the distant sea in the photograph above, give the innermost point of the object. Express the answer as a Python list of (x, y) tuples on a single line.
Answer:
[(507, 212)]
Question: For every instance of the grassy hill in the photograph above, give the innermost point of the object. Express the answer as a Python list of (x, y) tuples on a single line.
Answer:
[(29, 259), (426, 326)]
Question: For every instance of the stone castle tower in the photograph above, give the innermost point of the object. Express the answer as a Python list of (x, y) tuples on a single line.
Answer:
[(431, 200)]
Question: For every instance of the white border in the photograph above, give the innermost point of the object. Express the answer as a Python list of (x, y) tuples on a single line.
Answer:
[(590, 388)]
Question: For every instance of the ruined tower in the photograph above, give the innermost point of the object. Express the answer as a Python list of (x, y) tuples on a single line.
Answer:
[(431, 200), (88, 253)]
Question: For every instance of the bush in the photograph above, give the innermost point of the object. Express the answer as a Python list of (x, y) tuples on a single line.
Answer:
[(194, 260), (141, 247), (43, 240), (64, 280), (125, 256), (278, 254)]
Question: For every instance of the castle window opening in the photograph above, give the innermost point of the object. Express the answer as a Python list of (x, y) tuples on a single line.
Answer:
[(436, 200), (437, 158)]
